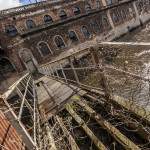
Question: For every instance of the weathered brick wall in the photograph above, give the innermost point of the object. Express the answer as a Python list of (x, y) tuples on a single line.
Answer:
[(9, 138), (48, 34)]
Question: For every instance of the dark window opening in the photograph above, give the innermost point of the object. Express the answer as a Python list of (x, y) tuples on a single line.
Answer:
[(59, 42), (48, 19), (44, 49), (30, 24), (73, 37), (88, 7), (85, 32), (76, 10), (62, 14), (11, 30), (6, 67)]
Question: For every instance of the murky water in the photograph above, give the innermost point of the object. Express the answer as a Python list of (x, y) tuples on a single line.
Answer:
[(136, 60)]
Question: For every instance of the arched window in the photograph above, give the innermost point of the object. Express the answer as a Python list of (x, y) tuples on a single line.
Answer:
[(87, 7), (11, 30), (30, 24), (85, 32), (73, 37), (48, 19), (44, 48), (62, 14), (76, 10), (94, 25), (59, 42)]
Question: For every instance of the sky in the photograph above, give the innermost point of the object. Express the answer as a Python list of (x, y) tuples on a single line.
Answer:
[(4, 4)]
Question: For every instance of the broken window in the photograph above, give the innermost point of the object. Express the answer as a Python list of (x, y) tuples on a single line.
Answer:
[(73, 37), (88, 7), (44, 48), (59, 42), (76, 10), (62, 14), (30, 24), (48, 19), (11, 30), (85, 32)]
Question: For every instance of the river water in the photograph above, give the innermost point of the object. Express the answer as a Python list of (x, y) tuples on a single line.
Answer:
[(134, 59)]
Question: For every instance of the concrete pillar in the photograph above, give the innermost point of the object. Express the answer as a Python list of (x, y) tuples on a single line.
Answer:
[(104, 2), (110, 19), (136, 11), (108, 14)]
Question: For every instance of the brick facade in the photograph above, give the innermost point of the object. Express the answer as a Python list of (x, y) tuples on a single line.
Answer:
[(9, 138)]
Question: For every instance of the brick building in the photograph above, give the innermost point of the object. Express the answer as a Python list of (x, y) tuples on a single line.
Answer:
[(32, 35)]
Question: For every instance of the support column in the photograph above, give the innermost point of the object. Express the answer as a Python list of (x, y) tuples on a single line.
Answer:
[(98, 65), (136, 11)]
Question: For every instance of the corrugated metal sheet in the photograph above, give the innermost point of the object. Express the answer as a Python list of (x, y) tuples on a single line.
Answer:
[(9, 138)]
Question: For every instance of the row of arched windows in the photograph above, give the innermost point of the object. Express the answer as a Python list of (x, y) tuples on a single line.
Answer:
[(44, 48), (12, 31)]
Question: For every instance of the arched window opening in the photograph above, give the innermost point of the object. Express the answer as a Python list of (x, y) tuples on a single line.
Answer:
[(28, 59), (85, 32), (59, 42), (88, 7), (62, 14), (6, 66), (11, 30), (76, 10), (44, 48), (73, 37), (94, 25), (48, 19), (30, 24)]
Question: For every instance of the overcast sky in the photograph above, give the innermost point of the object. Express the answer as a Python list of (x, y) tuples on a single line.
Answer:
[(4, 4)]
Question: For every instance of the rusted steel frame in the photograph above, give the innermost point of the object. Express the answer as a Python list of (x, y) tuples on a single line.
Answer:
[(139, 111), (141, 131), (27, 89), (81, 85), (81, 122), (71, 140), (51, 143), (129, 105), (64, 75), (23, 99), (128, 73), (97, 61), (11, 116), (134, 125), (74, 71), (122, 139), (26, 101), (66, 57), (13, 87), (35, 115)]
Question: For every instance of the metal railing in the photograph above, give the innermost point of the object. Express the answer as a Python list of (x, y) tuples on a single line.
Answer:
[(87, 69), (20, 107)]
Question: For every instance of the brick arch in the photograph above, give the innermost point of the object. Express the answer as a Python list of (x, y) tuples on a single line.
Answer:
[(46, 44), (60, 37)]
